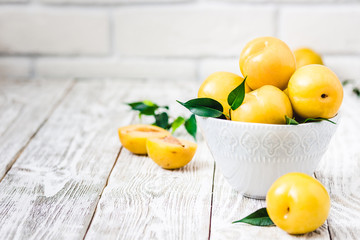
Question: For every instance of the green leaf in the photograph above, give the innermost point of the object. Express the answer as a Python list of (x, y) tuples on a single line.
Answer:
[(346, 82), (257, 218), (134, 105), (145, 107), (290, 121), (142, 104), (205, 107), (162, 120), (236, 96), (191, 126), (356, 91), (177, 123), (148, 111), (152, 104), (149, 103), (317, 120)]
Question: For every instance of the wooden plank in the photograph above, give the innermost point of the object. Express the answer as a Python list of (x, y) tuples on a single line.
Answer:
[(24, 106), (53, 188), (339, 170), (229, 205), (144, 201)]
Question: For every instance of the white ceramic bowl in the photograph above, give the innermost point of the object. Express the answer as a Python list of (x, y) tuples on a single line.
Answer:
[(252, 156)]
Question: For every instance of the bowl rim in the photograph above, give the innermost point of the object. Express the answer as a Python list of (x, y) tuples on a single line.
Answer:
[(334, 119)]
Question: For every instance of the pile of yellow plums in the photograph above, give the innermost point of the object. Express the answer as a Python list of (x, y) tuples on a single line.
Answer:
[(278, 83)]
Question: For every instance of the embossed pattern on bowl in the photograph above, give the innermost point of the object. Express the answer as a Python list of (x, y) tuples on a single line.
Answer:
[(252, 156)]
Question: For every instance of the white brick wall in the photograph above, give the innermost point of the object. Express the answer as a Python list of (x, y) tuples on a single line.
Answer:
[(99, 68), (167, 39), (100, 2), (28, 31), (190, 31), (331, 29), (13, 1), (344, 67), (208, 66), (14, 67)]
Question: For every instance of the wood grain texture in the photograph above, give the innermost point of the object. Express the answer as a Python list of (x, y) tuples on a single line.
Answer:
[(53, 188), (229, 206), (144, 201), (70, 183), (339, 171), (24, 106)]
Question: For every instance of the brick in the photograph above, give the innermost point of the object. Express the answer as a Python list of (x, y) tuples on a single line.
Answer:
[(63, 32), (345, 67), (280, 1), (97, 68), (14, 68), (13, 1), (209, 66), (190, 30), (109, 1), (331, 29)]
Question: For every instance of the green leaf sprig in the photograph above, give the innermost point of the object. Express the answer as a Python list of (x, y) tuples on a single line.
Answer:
[(208, 107), (346, 82), (177, 123), (355, 90), (236, 96), (146, 107), (191, 126), (257, 218), (292, 121), (161, 117), (204, 107)]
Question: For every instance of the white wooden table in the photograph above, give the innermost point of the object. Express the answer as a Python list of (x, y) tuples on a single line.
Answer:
[(64, 174)]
